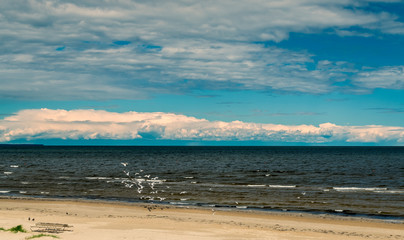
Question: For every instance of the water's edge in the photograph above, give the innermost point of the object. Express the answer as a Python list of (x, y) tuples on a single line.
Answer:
[(283, 212)]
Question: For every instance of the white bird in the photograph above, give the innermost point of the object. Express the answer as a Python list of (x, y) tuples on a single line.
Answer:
[(124, 164)]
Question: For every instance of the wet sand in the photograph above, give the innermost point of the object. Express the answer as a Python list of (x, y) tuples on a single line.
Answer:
[(93, 220)]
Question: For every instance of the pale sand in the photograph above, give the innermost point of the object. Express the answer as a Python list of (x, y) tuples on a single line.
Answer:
[(113, 221)]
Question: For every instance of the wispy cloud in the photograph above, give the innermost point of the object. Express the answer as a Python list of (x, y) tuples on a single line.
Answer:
[(129, 49), (391, 77), (34, 124), (387, 110), (280, 114)]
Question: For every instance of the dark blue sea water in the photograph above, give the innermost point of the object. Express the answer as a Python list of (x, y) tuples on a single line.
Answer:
[(342, 180)]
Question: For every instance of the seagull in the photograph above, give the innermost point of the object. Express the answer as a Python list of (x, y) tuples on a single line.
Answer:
[(124, 164)]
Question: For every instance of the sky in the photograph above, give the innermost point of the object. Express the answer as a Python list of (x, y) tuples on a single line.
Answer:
[(186, 72)]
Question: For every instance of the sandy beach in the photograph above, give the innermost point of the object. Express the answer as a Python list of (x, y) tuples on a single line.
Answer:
[(105, 220)]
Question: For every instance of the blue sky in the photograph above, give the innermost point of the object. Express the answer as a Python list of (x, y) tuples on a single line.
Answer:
[(257, 72)]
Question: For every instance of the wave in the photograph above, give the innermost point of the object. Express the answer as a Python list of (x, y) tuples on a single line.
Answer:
[(179, 203), (98, 178), (242, 207), (282, 186), (358, 189), (391, 191), (234, 185)]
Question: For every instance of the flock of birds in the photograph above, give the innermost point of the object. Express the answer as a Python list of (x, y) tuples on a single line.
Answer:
[(144, 184)]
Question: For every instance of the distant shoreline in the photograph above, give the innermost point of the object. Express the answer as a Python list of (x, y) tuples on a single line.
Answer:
[(189, 146), (21, 145)]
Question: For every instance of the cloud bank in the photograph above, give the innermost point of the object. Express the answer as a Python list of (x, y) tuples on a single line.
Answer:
[(36, 124), (63, 50)]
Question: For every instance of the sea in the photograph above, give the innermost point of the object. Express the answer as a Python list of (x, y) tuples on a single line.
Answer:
[(350, 181)]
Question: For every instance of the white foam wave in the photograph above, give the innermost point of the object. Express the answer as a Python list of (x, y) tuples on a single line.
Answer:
[(98, 178), (156, 181), (391, 191), (178, 203), (14, 166), (140, 180), (25, 183), (256, 185), (92, 178), (8, 173), (358, 189), (121, 178), (241, 207), (282, 186), (23, 192), (5, 191)]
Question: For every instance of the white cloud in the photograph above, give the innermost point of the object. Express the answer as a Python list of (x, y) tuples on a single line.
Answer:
[(215, 20), (34, 124), (387, 77), (126, 72), (50, 85), (209, 43), (23, 58)]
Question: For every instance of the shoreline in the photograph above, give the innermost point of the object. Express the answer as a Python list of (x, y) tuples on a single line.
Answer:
[(118, 220), (314, 213)]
